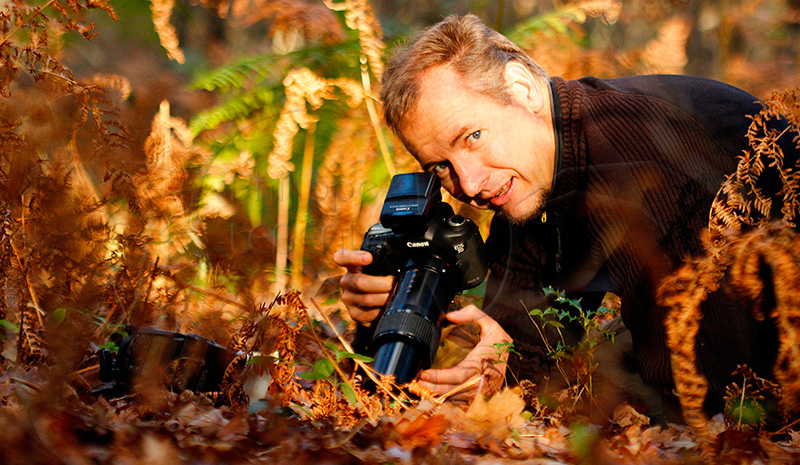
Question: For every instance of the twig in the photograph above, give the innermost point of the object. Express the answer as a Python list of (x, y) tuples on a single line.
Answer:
[(34, 301), (25, 383), (105, 321), (466, 385), (546, 342), (23, 23), (367, 369), (87, 369), (780, 431)]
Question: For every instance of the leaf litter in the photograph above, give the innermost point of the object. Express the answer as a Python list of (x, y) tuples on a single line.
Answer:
[(315, 421)]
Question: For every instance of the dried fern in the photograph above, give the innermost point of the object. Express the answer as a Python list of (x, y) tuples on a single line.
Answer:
[(754, 245), (558, 20), (302, 87)]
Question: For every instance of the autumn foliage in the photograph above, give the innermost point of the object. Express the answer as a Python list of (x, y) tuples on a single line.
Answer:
[(114, 210)]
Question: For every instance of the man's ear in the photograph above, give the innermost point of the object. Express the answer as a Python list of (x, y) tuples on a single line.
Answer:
[(523, 87)]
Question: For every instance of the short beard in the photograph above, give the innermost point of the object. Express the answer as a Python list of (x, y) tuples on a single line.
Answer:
[(522, 221)]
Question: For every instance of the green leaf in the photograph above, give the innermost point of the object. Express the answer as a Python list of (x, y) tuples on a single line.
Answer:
[(259, 359), (323, 369), (549, 291), (332, 346), (349, 393), (361, 358), (59, 315), (111, 346), (9, 326), (746, 411)]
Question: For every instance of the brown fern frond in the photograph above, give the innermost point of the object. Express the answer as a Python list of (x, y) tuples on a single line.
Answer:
[(667, 53), (683, 293), (113, 82), (765, 270), (339, 184), (169, 149), (758, 251), (766, 184), (360, 17), (303, 86), (35, 52), (162, 10), (30, 343)]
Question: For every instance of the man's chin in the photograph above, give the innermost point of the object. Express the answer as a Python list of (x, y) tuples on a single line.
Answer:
[(519, 220), (520, 215)]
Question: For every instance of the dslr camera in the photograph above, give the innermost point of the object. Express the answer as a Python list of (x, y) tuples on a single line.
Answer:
[(435, 254), (179, 361)]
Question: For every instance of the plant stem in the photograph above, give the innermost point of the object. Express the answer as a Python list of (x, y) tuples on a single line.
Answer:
[(23, 23), (373, 116), (283, 234), (301, 222)]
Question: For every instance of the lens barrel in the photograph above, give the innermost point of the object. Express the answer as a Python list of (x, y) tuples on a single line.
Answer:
[(407, 335)]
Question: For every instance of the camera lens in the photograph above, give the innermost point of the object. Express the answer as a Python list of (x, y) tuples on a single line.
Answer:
[(407, 335)]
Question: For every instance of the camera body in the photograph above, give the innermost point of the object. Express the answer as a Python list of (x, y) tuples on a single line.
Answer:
[(435, 254), (180, 361)]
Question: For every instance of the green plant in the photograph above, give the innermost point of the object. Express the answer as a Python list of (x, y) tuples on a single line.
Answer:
[(580, 354), (572, 311)]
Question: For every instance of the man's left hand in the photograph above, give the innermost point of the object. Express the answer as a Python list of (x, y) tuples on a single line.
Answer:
[(488, 359)]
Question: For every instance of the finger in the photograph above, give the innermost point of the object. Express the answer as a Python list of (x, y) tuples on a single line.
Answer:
[(365, 302), (364, 317), (455, 376), (468, 314), (360, 283), (442, 389), (353, 260), (491, 331)]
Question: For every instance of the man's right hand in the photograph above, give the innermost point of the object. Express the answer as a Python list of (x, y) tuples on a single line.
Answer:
[(363, 294)]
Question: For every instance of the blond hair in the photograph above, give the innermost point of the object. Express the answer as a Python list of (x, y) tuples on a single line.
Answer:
[(471, 48)]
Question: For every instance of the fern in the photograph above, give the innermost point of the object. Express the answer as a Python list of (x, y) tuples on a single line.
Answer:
[(238, 108), (257, 69), (237, 75), (559, 20)]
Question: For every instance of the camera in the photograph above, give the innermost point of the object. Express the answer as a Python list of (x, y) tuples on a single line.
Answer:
[(435, 254), (180, 361)]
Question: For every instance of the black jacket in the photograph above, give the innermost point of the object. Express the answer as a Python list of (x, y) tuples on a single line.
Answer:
[(639, 162)]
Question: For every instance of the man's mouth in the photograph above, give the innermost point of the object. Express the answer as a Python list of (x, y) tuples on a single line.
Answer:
[(503, 194)]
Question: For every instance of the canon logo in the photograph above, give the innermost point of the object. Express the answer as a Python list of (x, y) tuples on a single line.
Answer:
[(418, 244)]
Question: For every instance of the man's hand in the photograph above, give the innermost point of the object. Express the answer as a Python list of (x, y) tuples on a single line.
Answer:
[(487, 359), (363, 294)]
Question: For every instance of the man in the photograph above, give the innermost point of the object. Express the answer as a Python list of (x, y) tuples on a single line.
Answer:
[(598, 186)]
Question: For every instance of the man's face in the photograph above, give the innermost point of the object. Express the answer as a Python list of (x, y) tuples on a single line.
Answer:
[(486, 153)]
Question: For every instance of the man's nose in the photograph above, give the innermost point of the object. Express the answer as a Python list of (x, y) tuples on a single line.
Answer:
[(471, 178)]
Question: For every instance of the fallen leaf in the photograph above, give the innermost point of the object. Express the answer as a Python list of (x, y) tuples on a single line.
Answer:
[(423, 431), (504, 407), (624, 415)]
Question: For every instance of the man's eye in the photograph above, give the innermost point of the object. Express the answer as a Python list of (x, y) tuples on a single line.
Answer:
[(474, 136), (440, 168)]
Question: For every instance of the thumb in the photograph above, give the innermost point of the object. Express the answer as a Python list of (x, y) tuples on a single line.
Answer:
[(468, 314)]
